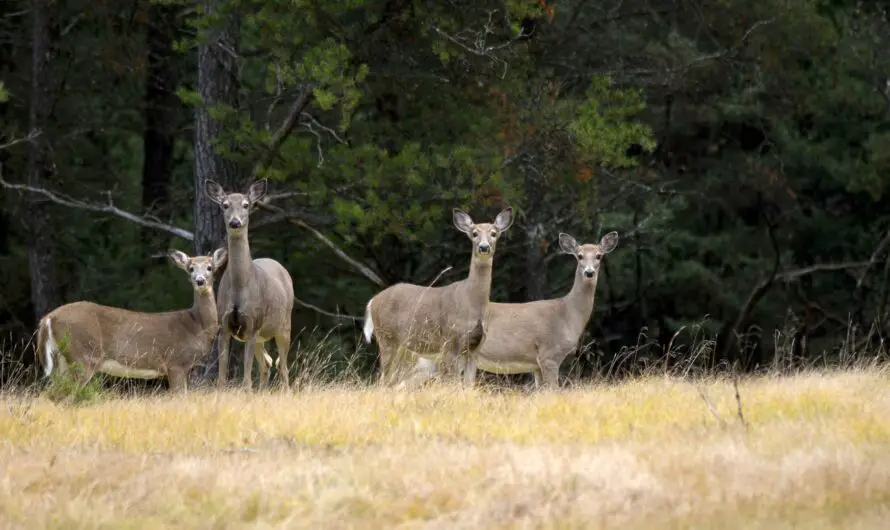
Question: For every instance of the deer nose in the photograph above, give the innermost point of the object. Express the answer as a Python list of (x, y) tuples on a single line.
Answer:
[(589, 273), (484, 248), (200, 281), (235, 223)]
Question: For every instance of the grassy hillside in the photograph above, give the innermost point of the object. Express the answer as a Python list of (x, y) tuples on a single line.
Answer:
[(811, 450)]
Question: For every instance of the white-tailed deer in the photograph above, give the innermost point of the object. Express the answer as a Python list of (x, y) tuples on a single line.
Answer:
[(125, 343), (435, 323), (256, 296), (537, 336)]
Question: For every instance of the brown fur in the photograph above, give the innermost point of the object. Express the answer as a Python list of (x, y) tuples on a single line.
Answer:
[(168, 343), (444, 322), (537, 336), (256, 296)]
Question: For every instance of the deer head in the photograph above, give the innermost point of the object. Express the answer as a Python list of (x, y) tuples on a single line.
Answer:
[(590, 255), (483, 235), (200, 268), (236, 206)]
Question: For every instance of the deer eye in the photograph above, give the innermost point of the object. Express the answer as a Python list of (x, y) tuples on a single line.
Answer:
[(245, 204), (210, 267), (494, 233), (191, 269), (225, 206), (599, 256), (475, 233)]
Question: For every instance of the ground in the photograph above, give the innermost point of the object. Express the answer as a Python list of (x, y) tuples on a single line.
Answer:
[(810, 451)]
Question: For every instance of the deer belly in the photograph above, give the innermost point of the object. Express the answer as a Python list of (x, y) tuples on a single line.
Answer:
[(505, 367), (116, 369)]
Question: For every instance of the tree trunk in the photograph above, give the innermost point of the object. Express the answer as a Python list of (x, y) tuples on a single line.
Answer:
[(161, 109), (44, 292), (217, 85)]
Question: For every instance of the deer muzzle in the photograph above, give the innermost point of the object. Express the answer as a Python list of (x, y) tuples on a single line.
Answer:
[(589, 273), (484, 248), (235, 223)]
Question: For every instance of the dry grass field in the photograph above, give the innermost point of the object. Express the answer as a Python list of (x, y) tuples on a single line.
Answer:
[(812, 452)]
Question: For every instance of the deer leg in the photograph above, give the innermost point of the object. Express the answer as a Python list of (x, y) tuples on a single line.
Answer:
[(282, 342), (549, 372), (259, 354), (389, 362), (470, 370), (422, 371), (539, 378), (249, 346), (176, 379), (225, 339), (83, 372)]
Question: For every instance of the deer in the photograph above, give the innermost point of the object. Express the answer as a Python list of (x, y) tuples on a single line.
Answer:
[(537, 336), (437, 323), (132, 344), (256, 296)]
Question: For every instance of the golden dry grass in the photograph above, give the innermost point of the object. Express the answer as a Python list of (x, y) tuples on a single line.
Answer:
[(643, 454)]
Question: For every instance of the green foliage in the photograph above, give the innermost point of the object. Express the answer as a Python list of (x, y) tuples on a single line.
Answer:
[(603, 126), (772, 146), (65, 388)]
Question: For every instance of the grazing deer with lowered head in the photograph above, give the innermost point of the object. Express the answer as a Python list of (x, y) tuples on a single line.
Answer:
[(435, 323), (537, 336), (126, 343), (256, 296)]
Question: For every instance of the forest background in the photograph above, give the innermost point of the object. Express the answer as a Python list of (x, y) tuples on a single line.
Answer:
[(740, 148)]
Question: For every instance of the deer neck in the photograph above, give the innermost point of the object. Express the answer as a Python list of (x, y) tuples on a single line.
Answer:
[(479, 284), (579, 301), (204, 309), (240, 262)]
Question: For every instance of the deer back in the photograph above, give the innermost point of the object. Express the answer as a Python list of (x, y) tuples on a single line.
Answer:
[(138, 340), (519, 333)]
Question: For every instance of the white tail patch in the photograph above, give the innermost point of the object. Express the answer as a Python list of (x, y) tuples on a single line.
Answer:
[(369, 323), (48, 348)]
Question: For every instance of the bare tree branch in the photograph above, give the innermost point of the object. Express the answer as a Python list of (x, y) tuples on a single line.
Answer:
[(357, 265), (793, 274), (15, 141), (285, 129), (327, 313), (71, 202), (874, 258)]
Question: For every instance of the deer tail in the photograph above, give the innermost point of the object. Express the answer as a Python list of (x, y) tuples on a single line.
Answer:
[(46, 345), (369, 323)]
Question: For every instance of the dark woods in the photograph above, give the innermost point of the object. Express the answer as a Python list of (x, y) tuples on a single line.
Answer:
[(741, 149)]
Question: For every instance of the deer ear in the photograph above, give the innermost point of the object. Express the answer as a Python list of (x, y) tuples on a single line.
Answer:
[(504, 219), (568, 244), (609, 242), (257, 190), (220, 256), (462, 221), (179, 258), (214, 191)]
